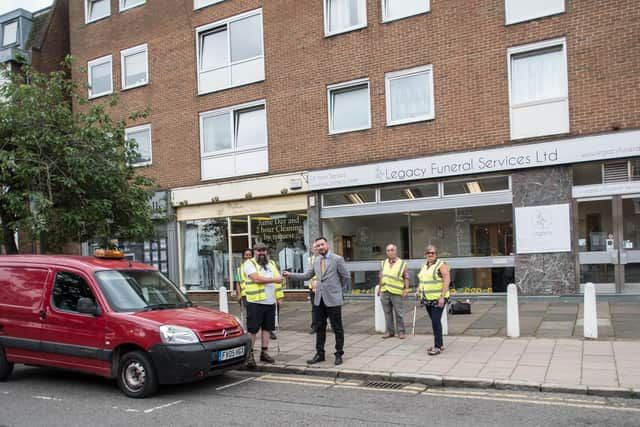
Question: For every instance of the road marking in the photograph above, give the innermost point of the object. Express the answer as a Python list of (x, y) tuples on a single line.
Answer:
[(5, 392), (441, 393), (390, 390), (55, 399), (234, 384), (148, 411), (278, 381), (296, 379), (525, 396), (131, 410)]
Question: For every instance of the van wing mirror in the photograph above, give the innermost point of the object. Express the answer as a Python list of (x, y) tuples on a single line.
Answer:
[(87, 306)]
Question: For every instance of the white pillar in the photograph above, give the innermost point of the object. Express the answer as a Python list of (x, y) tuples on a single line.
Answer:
[(590, 312), (513, 317), (379, 313), (222, 299), (445, 322)]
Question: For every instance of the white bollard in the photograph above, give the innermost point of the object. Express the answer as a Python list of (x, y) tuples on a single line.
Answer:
[(590, 312), (379, 313), (445, 322), (222, 297), (513, 316)]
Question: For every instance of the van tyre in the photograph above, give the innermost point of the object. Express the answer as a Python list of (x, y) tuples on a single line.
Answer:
[(136, 375), (6, 367)]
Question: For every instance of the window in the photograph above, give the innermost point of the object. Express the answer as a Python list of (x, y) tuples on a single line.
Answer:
[(344, 15), (129, 4), (135, 67), (349, 107), (230, 52), (409, 95), (96, 9), (473, 185), (234, 141), (396, 9), (357, 196), (99, 73), (141, 135), (524, 10), (198, 4), (10, 33), (68, 289), (538, 92), (409, 191)]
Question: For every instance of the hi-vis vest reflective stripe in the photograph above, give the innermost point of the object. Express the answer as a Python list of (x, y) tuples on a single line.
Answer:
[(431, 282), (243, 279), (310, 261), (255, 291), (393, 276)]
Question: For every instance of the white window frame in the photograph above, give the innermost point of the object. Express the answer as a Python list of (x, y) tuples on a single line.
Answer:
[(345, 85), (134, 129), (227, 23), (93, 63), (388, 77), (87, 19), (531, 48), (511, 17), (17, 22), (327, 29), (123, 7), (132, 51), (200, 4), (386, 18)]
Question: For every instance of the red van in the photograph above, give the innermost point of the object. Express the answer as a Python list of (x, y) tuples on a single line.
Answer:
[(113, 318)]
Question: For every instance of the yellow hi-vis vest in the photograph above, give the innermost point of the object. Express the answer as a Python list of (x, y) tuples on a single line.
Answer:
[(310, 261), (242, 279), (255, 291), (393, 276), (431, 282)]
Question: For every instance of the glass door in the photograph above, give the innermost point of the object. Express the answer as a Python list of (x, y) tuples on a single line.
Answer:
[(630, 243)]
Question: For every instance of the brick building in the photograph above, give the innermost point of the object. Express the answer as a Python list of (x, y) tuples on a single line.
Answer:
[(503, 131)]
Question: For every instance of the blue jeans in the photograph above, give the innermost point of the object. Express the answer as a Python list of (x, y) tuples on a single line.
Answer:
[(435, 313)]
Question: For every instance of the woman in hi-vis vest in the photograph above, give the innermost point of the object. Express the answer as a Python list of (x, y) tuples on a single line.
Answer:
[(434, 281)]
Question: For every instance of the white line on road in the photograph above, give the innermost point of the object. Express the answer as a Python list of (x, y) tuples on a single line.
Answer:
[(235, 384), (148, 411), (47, 398)]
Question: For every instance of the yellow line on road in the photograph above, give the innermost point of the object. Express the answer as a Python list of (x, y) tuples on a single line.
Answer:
[(524, 396), (390, 390), (277, 381), (299, 379)]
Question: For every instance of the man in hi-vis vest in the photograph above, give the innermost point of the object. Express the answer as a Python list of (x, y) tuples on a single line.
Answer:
[(394, 287), (264, 291)]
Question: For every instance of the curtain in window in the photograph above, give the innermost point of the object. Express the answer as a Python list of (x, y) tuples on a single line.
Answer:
[(251, 128), (10, 33), (246, 38), (101, 78), (345, 14), (98, 8), (350, 108), (216, 133), (537, 76), (400, 8), (136, 69), (410, 97), (214, 50)]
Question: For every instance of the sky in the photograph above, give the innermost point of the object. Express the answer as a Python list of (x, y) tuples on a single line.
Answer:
[(30, 5)]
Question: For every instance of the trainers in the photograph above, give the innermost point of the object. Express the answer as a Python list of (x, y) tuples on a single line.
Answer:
[(251, 362), (264, 357)]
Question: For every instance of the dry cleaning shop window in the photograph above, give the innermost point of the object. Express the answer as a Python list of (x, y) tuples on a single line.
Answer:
[(206, 254)]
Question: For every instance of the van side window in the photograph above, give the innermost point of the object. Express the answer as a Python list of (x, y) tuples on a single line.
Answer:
[(68, 289)]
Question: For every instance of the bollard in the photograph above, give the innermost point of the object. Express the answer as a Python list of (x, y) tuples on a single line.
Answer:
[(445, 322), (590, 312), (379, 313), (513, 317), (222, 297)]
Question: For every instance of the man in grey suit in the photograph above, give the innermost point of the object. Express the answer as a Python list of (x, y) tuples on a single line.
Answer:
[(331, 274)]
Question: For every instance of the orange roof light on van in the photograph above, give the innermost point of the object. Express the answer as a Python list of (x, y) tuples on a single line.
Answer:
[(108, 254)]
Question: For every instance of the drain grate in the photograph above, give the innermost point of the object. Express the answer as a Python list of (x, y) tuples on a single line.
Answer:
[(384, 385)]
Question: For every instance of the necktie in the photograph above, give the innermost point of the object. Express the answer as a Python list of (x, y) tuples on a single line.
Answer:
[(323, 265)]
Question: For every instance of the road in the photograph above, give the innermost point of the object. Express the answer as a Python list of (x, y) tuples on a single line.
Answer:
[(44, 397)]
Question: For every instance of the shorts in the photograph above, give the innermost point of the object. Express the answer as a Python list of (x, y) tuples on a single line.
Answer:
[(260, 316)]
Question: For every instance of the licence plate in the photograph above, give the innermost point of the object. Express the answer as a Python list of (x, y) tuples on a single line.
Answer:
[(232, 353)]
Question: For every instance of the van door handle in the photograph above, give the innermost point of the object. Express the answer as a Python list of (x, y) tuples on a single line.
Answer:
[(43, 314)]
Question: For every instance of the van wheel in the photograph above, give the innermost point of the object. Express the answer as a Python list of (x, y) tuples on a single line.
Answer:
[(136, 375), (6, 367)]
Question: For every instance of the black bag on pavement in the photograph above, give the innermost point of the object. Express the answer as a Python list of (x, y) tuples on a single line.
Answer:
[(460, 307)]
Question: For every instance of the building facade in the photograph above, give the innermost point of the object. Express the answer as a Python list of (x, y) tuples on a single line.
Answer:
[(505, 132)]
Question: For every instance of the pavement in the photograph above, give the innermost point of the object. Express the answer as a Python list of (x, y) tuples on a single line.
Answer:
[(550, 355)]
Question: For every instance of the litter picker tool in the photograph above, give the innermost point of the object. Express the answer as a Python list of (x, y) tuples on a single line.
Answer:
[(415, 311)]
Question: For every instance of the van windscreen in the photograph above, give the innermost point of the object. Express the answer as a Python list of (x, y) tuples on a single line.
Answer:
[(140, 290)]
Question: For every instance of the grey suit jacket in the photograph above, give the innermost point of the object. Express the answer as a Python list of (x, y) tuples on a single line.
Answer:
[(329, 285)]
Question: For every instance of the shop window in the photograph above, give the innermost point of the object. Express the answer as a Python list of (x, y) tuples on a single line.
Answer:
[(205, 254), (631, 223), (595, 224), (129, 4), (587, 174), (409, 95), (349, 106), (634, 170), (199, 4), (344, 15), (10, 33), (141, 135), (396, 9), (481, 280), (230, 52), (524, 10), (100, 77), (68, 288), (135, 67), (349, 197), (538, 89), (96, 9), (476, 185), (409, 192), (234, 141)]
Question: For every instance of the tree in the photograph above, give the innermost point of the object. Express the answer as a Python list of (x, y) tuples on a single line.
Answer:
[(66, 174)]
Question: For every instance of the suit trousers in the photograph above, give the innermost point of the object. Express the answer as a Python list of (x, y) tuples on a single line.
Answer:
[(334, 314), (314, 310), (393, 306)]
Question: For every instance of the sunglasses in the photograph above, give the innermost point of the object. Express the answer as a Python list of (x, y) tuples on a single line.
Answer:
[(261, 250), (429, 253)]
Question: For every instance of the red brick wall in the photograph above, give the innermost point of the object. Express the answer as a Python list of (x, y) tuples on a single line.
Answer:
[(52, 44), (465, 40)]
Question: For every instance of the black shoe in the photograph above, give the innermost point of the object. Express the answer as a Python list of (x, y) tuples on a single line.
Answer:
[(338, 360), (264, 357), (272, 335), (316, 359)]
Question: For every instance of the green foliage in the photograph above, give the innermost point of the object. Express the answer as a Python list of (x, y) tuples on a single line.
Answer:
[(63, 172)]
